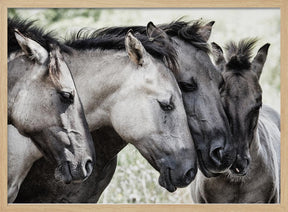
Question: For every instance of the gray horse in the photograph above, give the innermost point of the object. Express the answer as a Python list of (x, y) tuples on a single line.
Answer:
[(254, 176), (43, 104), (22, 153), (199, 82), (125, 88)]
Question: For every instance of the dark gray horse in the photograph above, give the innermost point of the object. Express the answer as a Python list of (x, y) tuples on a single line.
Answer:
[(199, 82), (254, 177), (123, 88), (43, 104)]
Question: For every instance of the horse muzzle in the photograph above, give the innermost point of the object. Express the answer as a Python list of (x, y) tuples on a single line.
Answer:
[(67, 172), (177, 175), (216, 159), (241, 165)]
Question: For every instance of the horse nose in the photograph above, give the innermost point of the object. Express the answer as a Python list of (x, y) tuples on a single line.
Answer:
[(181, 172), (88, 168), (189, 176), (216, 155), (241, 165)]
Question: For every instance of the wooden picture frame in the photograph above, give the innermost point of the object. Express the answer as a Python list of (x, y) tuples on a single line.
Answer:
[(281, 4)]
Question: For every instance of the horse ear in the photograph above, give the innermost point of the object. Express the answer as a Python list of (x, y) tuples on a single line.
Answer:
[(218, 56), (154, 32), (32, 49), (134, 49), (205, 31), (259, 60)]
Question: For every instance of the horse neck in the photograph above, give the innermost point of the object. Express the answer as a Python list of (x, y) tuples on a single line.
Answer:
[(98, 76), (264, 151), (98, 81), (14, 75), (22, 153), (266, 140), (107, 144), (18, 77), (255, 147)]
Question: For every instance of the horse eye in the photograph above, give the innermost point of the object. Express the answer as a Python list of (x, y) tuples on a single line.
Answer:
[(187, 87), (166, 106), (66, 97)]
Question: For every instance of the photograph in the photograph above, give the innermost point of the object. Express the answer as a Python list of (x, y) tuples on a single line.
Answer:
[(135, 106)]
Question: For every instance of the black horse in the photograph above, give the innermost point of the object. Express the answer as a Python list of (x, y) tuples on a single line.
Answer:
[(254, 177)]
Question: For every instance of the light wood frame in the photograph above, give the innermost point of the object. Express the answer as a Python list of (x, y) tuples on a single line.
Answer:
[(282, 4)]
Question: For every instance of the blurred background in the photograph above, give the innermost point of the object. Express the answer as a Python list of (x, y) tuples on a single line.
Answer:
[(135, 181)]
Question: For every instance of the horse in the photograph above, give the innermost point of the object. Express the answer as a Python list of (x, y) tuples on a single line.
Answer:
[(199, 84), (127, 91), (199, 81), (22, 153), (44, 105), (254, 176)]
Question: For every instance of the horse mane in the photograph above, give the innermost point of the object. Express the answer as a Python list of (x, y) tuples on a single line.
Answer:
[(86, 39), (184, 30), (113, 38), (28, 29), (188, 32), (240, 54)]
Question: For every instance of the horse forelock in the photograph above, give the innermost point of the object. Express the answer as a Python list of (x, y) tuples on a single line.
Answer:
[(188, 32), (239, 55)]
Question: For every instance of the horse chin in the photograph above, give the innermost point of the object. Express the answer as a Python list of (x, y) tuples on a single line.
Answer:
[(62, 173), (203, 167), (236, 177), (165, 180), (237, 173)]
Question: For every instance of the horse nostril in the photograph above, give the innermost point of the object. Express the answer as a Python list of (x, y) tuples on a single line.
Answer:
[(237, 170), (189, 176), (242, 166), (88, 167), (247, 162), (217, 155)]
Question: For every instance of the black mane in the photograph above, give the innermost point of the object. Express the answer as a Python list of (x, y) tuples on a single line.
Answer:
[(84, 39), (27, 28), (239, 55), (186, 31), (113, 38)]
